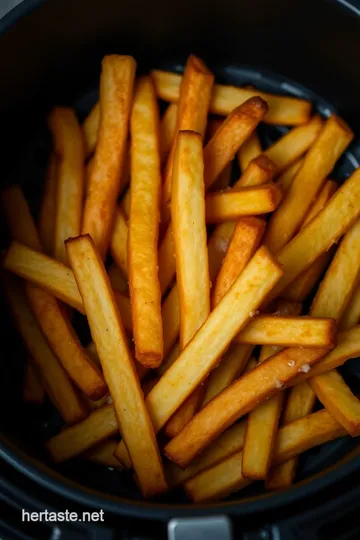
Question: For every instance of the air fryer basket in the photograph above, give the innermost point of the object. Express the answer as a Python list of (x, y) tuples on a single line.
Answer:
[(52, 56)]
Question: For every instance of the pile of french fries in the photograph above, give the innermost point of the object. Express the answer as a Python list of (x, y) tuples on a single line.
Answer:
[(196, 287)]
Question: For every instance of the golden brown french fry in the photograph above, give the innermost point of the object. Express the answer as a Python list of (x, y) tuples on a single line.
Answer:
[(262, 422), (116, 84), (90, 128), (119, 242), (195, 93), (117, 280), (237, 127), (351, 314), (260, 170), (55, 277), (192, 268), (318, 163), (145, 295), (244, 242), (74, 440), (111, 344), (69, 147), (282, 110), (242, 202), (53, 376), (167, 131), (33, 389), (304, 284), (227, 444), (224, 322), (321, 233), (103, 454), (226, 477), (46, 223), (294, 144), (51, 318), (217, 247), (262, 382), (287, 177), (249, 150)]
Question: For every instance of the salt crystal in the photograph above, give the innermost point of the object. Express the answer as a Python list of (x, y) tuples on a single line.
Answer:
[(252, 313), (109, 400), (305, 368), (278, 383), (291, 363)]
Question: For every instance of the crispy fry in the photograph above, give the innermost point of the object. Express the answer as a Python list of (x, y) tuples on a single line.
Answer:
[(70, 442), (33, 389), (244, 242), (144, 284), (242, 202), (260, 170), (318, 163), (51, 318), (227, 444), (351, 315), (111, 344), (282, 110), (116, 84), (225, 320), (53, 375), (167, 131), (46, 224), (192, 268), (321, 233), (103, 454), (287, 177), (90, 128), (217, 247), (248, 151), (117, 280), (54, 277), (70, 150), (237, 127), (195, 93), (167, 263), (263, 421), (262, 382), (289, 148), (293, 439), (119, 242)]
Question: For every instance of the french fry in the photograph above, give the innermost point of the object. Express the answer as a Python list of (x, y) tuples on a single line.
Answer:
[(33, 389), (119, 242), (351, 315), (70, 150), (242, 396), (46, 224), (167, 131), (116, 84), (226, 477), (237, 127), (55, 278), (88, 171), (144, 284), (194, 98), (289, 148), (117, 280), (223, 180), (171, 319), (217, 247), (303, 285), (289, 331), (244, 242), (287, 177), (319, 162), (242, 202), (118, 367), (169, 360), (263, 421), (223, 323), (90, 128), (260, 170), (321, 233), (192, 268), (125, 203), (103, 454), (248, 151), (51, 318), (167, 263), (53, 375), (282, 110), (74, 440), (227, 444)]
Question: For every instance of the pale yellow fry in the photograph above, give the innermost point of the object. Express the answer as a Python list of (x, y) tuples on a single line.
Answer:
[(249, 150), (287, 177)]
